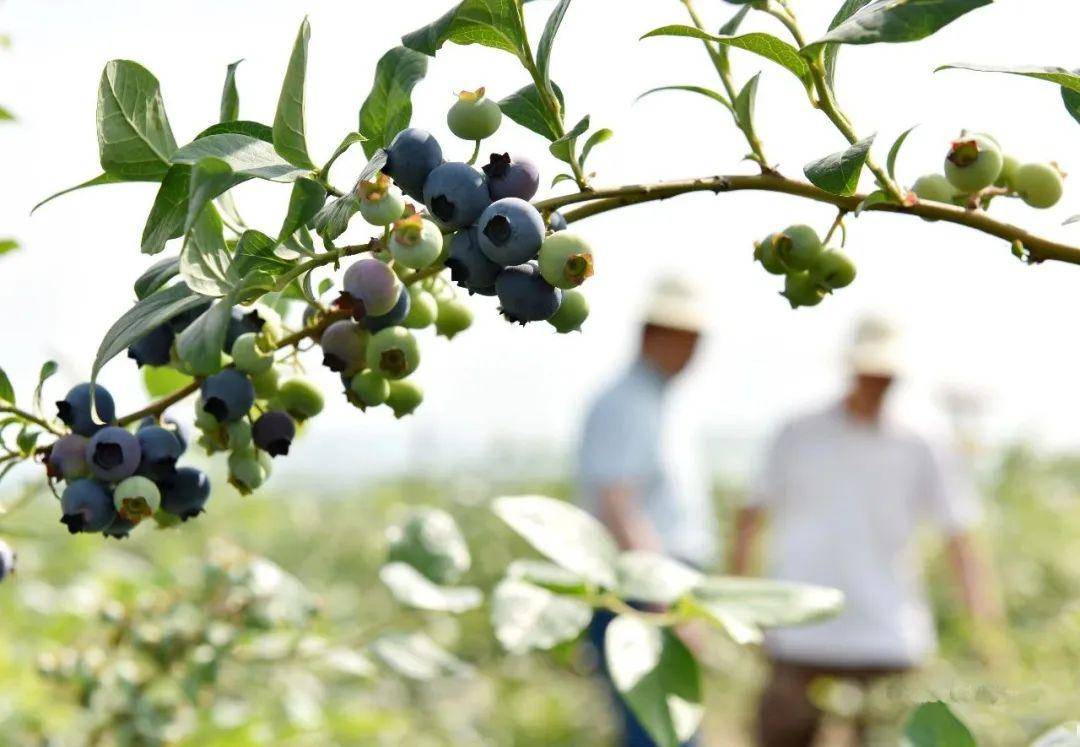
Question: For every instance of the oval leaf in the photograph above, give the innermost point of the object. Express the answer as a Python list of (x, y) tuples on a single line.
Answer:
[(526, 107), (547, 42), (527, 617), (707, 92), (894, 151), (413, 589), (387, 110), (492, 23), (760, 43), (839, 173), (200, 344), (230, 96), (934, 725), (134, 137), (417, 657), (896, 21), (289, 139), (653, 578), (246, 155)]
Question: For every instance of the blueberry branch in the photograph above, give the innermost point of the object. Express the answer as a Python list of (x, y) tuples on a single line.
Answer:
[(30, 418), (605, 200)]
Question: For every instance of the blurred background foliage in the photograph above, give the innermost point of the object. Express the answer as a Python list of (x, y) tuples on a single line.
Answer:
[(265, 623)]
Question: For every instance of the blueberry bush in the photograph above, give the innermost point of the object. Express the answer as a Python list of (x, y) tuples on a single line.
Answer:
[(226, 314)]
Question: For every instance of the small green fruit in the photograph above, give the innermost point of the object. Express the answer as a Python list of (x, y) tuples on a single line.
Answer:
[(798, 247), (566, 260), (833, 270), (248, 356), (370, 388), (454, 317), (265, 383), (393, 353), (1009, 166), (300, 398), (935, 188), (404, 398), (974, 163), (572, 313), (248, 470), (415, 242), (474, 116), (423, 308), (136, 498), (381, 202), (1040, 185), (239, 433), (801, 289), (765, 253)]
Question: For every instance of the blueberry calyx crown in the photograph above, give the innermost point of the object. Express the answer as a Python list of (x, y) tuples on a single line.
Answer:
[(498, 230), (217, 407), (964, 152), (74, 522), (498, 165), (443, 208), (108, 455), (393, 361)]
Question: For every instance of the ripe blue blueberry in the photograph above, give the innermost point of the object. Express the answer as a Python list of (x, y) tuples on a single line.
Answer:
[(154, 348), (119, 529), (136, 498), (227, 395), (187, 495), (469, 267), (87, 506), (392, 318), (524, 295), (373, 284), (74, 409), (510, 232), (160, 449), (241, 322), (512, 177), (343, 344), (412, 156), (67, 458), (113, 453), (8, 559), (168, 424), (557, 221), (456, 194), (274, 432)]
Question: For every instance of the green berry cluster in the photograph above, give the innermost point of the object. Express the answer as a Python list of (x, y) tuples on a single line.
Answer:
[(811, 272)]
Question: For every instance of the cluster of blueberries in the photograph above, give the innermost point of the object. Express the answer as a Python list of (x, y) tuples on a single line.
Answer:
[(810, 271)]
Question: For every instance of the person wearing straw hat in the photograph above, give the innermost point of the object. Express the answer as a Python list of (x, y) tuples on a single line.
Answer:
[(845, 490), (638, 472)]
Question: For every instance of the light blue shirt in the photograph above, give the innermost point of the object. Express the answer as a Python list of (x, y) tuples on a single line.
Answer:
[(632, 438)]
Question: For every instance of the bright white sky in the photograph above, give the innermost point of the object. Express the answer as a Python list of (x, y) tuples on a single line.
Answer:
[(974, 316)]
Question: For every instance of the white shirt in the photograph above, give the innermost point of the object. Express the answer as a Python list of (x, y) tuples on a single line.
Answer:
[(846, 499), (631, 438)]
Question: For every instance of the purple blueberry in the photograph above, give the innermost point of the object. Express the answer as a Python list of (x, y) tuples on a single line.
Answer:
[(524, 295), (87, 507), (510, 232), (393, 317), (113, 453), (228, 395), (187, 495), (412, 156), (274, 432), (456, 194), (373, 284), (160, 450), (154, 348), (182, 321), (67, 458), (343, 345), (168, 424), (512, 177), (469, 267), (242, 322), (557, 221), (74, 409)]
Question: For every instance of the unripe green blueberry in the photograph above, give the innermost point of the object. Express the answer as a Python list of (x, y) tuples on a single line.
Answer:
[(1040, 185), (765, 253), (300, 398), (248, 356), (423, 308), (415, 242), (801, 289), (474, 116), (935, 188), (974, 163), (1009, 165), (798, 246), (566, 260), (248, 470), (381, 202), (136, 498), (239, 434), (572, 313), (265, 383), (404, 398), (370, 388), (393, 353), (454, 317), (833, 270)]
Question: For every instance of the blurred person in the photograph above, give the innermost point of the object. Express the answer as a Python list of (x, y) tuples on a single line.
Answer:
[(846, 490), (638, 471)]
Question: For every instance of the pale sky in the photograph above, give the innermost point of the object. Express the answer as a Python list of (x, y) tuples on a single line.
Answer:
[(973, 315)]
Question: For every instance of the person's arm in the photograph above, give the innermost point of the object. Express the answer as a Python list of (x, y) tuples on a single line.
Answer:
[(973, 575), (619, 512), (748, 522)]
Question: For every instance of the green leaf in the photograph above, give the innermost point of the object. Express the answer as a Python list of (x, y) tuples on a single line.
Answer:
[(744, 102), (600, 136), (230, 96), (166, 219), (255, 252), (257, 130), (333, 219), (413, 589), (47, 370), (307, 198), (156, 276), (96, 181), (199, 345), (162, 380), (289, 139), (564, 147), (387, 110), (760, 43), (527, 617), (210, 177), (564, 533), (934, 725), (26, 440), (205, 258), (894, 151), (1059, 75), (729, 29), (895, 21), (526, 107), (347, 142), (7, 392), (560, 178), (832, 51), (417, 657), (876, 197), (547, 42), (8, 245), (657, 677), (707, 92), (6, 115), (1071, 99), (134, 137), (247, 156), (839, 173), (492, 23), (149, 312), (547, 575), (653, 578)]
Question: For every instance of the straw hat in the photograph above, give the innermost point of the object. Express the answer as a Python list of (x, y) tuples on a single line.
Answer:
[(677, 303)]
